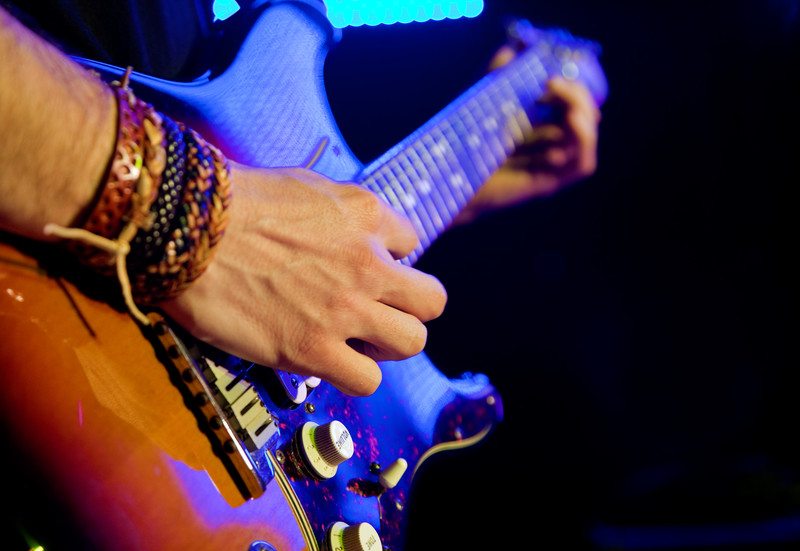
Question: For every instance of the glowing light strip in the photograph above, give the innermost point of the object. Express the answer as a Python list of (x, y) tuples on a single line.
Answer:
[(354, 13), (223, 9)]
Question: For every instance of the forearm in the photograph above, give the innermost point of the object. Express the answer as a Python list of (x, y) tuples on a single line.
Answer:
[(59, 129)]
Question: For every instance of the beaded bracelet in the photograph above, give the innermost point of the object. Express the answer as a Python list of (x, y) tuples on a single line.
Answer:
[(161, 209), (199, 224)]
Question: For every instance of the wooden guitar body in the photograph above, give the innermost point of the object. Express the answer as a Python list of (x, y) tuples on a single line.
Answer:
[(93, 410)]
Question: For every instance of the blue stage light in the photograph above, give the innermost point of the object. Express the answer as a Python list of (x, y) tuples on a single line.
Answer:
[(354, 13)]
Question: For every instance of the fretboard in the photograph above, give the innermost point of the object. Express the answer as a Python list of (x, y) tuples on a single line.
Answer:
[(432, 174)]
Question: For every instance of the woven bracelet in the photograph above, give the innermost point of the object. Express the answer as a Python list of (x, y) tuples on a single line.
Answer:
[(161, 209), (113, 202)]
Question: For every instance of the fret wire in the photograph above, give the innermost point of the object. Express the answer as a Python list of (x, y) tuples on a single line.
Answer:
[(435, 153), (526, 98), (420, 206), (487, 105), (477, 172), (454, 205), (510, 107), (451, 206), (491, 120), (430, 192), (551, 65), (424, 155), (411, 258), (475, 137), (528, 90), (524, 93), (388, 189), (496, 100), (455, 180), (372, 184), (411, 206), (469, 115), (539, 75), (472, 179), (495, 151), (443, 146)]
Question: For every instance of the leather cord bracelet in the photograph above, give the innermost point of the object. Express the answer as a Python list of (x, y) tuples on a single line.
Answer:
[(161, 209)]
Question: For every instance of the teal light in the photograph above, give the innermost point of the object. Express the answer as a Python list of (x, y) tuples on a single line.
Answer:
[(354, 13), (223, 9)]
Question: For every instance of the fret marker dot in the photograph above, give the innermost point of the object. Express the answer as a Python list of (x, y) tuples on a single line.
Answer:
[(424, 187), (490, 124), (457, 180), (409, 201)]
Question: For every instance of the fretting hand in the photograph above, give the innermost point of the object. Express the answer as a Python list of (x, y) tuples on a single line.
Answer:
[(558, 151)]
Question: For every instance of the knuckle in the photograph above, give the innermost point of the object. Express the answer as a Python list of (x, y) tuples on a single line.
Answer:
[(416, 339), (368, 206), (307, 343), (343, 306), (435, 303), (364, 260)]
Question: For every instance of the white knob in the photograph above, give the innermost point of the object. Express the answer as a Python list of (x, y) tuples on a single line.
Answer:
[(326, 446), (392, 474), (360, 537)]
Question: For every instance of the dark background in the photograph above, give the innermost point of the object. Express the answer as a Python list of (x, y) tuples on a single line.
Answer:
[(640, 326)]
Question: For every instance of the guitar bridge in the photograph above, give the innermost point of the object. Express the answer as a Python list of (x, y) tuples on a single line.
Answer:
[(239, 424)]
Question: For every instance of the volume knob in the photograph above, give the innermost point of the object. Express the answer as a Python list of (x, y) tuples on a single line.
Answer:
[(325, 447), (359, 537)]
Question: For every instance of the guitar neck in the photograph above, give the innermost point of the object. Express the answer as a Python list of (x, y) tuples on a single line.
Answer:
[(432, 174)]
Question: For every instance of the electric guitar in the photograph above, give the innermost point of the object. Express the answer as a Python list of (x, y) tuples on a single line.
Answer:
[(145, 438)]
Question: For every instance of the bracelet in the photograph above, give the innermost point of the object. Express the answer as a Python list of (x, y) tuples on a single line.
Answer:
[(161, 210), (116, 194), (147, 244), (199, 224)]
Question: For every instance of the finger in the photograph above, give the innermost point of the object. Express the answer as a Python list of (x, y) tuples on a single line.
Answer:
[(393, 230), (566, 91), (502, 57), (391, 334), (397, 232), (572, 95), (350, 371), (414, 292), (584, 129), (377, 353), (540, 134)]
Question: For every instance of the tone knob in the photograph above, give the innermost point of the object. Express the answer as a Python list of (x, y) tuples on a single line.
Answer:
[(325, 447), (359, 537)]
